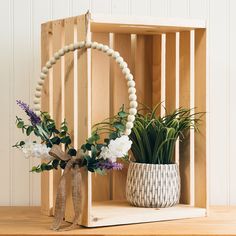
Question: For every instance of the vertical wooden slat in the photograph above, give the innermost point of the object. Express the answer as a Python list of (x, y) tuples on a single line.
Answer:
[(46, 176), (170, 100), (119, 96), (57, 92), (143, 69), (84, 110), (200, 163), (69, 96), (156, 77), (100, 107), (184, 101)]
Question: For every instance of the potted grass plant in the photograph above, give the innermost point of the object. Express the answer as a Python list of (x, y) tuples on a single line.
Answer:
[(153, 178)]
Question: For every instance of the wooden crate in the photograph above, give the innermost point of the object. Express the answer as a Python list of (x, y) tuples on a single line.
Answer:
[(168, 60)]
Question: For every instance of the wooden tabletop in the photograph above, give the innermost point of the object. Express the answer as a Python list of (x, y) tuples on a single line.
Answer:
[(29, 221)]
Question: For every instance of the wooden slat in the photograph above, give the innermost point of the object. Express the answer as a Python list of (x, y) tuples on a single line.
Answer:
[(84, 111), (156, 77), (200, 163), (143, 69), (170, 101), (57, 92), (100, 108), (69, 95), (46, 177), (119, 96), (184, 101)]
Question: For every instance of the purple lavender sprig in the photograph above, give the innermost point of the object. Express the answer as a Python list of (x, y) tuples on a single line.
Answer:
[(34, 119), (108, 165)]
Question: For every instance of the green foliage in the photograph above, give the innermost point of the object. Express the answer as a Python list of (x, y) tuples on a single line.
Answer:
[(154, 137)]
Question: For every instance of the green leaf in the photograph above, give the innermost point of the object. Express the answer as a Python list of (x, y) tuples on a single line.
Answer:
[(55, 140), (55, 163), (72, 152), (29, 130), (119, 126), (99, 171), (20, 124), (66, 140), (122, 114)]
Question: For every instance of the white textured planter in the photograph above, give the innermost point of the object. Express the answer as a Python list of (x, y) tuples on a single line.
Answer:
[(153, 185)]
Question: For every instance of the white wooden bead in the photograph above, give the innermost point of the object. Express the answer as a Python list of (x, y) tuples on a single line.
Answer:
[(42, 76), (76, 45), (129, 125), (66, 48), (131, 118), (132, 97), (127, 132), (132, 111), (39, 88), (126, 71), (123, 65), (119, 60), (133, 104), (105, 48), (131, 83), (45, 70), (38, 113), (115, 54), (57, 55), (88, 44), (71, 47), (37, 107), (131, 90), (61, 52), (81, 44), (94, 45), (48, 65), (40, 82), (53, 60), (129, 77), (99, 46), (36, 101), (109, 52), (38, 94)]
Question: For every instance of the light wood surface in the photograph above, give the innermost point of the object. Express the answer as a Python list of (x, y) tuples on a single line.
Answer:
[(29, 221), (201, 157), (184, 101), (46, 176)]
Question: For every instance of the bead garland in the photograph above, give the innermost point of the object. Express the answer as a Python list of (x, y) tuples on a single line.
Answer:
[(105, 49)]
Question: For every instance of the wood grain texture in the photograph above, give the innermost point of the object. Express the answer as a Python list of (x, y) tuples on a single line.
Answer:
[(57, 92), (28, 221), (119, 96), (170, 94), (69, 84), (143, 69), (156, 72), (200, 163), (100, 65), (184, 101), (46, 177)]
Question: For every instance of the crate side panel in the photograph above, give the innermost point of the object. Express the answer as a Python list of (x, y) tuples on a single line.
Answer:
[(46, 176), (156, 72), (200, 163), (69, 84), (119, 96), (100, 65), (184, 101)]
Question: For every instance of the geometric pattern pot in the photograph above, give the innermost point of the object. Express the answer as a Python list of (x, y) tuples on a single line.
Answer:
[(153, 185)]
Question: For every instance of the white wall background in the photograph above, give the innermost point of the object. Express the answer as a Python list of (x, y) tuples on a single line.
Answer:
[(20, 65)]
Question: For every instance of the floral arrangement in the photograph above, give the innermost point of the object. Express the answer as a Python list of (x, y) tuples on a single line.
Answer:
[(97, 157)]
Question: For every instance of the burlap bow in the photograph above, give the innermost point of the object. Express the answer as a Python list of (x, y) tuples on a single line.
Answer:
[(73, 164)]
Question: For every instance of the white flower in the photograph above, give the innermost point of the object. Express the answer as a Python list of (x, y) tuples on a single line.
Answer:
[(116, 148), (37, 150)]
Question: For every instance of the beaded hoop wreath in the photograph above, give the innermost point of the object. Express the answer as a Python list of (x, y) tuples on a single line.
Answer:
[(108, 51), (73, 164)]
